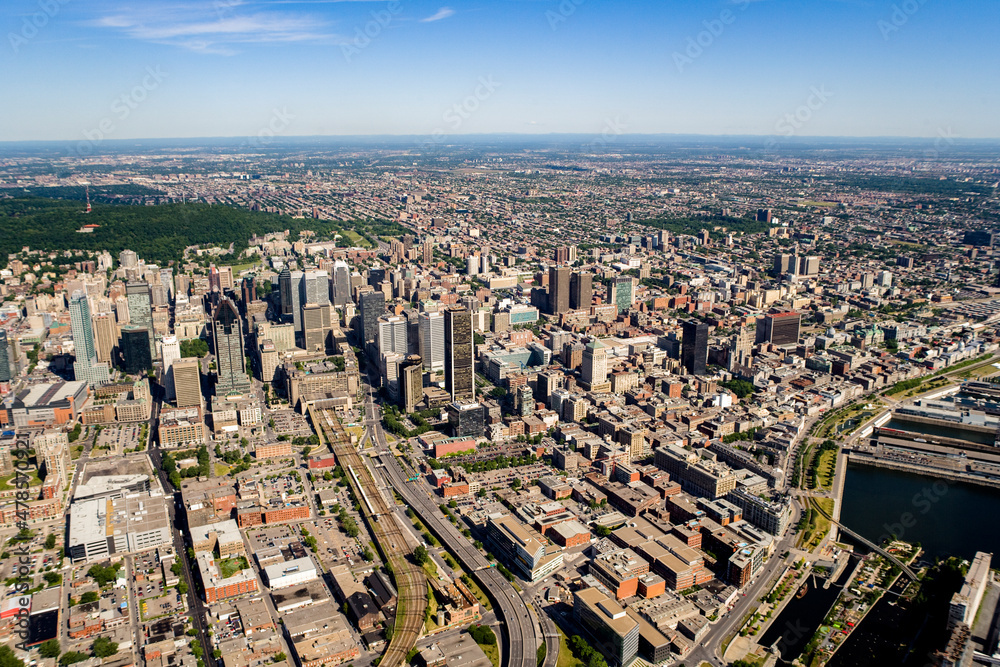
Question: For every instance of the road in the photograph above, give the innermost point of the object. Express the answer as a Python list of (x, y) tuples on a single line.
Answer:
[(551, 638), (195, 606), (133, 608), (708, 649), (520, 635)]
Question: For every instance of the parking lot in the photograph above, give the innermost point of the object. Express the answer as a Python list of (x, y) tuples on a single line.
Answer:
[(154, 607), (115, 440)]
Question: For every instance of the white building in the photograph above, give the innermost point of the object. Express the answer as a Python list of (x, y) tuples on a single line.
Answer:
[(290, 573)]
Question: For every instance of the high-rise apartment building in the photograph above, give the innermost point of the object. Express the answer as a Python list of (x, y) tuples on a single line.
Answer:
[(459, 368), (411, 380), (268, 362), (317, 328), (392, 335), (432, 341), (105, 337), (785, 264), (559, 289), (170, 352), (187, 382), (229, 358), (581, 290), (782, 328), (128, 259)]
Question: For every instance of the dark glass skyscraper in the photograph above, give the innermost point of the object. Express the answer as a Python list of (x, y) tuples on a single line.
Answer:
[(285, 292), (137, 357), (372, 306), (694, 347), (5, 372), (459, 368), (140, 312), (229, 358)]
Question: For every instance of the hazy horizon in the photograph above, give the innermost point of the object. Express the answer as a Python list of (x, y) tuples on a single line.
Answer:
[(103, 71)]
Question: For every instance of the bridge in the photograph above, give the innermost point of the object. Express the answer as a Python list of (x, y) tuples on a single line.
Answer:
[(871, 545)]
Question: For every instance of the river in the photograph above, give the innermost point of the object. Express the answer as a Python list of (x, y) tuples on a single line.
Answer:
[(940, 515)]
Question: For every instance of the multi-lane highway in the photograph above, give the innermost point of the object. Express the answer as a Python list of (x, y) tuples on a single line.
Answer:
[(520, 635)]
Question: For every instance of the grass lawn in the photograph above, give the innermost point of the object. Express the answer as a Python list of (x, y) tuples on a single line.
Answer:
[(8, 483), (77, 451), (987, 368), (430, 615), (230, 566), (492, 652), (478, 592), (243, 267), (355, 238), (566, 657), (221, 470), (825, 468), (819, 526)]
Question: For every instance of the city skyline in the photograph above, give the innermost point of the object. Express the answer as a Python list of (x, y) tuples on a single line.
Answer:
[(271, 70)]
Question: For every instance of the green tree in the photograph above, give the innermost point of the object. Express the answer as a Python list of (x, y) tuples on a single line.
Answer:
[(50, 649), (68, 658), (420, 555), (103, 647), (50, 541), (103, 574)]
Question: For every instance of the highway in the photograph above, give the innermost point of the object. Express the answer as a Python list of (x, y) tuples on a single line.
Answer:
[(521, 638)]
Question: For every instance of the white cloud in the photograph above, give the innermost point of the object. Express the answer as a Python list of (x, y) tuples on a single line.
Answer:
[(442, 13), (214, 30)]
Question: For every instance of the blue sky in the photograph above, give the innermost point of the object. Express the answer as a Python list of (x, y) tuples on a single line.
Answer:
[(77, 69)]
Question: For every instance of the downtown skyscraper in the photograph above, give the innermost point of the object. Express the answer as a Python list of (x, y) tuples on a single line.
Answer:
[(459, 363), (229, 358), (86, 367), (140, 313), (694, 347)]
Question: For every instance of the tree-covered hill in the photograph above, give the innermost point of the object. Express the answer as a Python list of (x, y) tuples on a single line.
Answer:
[(157, 233)]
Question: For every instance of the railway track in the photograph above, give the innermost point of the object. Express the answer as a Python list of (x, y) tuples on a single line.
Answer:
[(411, 582)]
